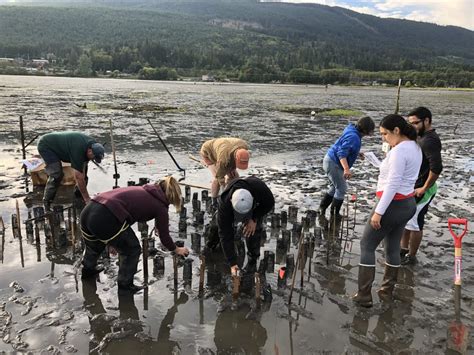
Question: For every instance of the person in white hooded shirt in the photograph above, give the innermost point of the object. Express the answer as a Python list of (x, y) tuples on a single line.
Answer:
[(394, 208)]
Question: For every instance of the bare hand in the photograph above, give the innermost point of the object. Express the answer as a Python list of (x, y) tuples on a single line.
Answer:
[(249, 228), (234, 270), (420, 191), (375, 221), (347, 174), (112, 250), (183, 251)]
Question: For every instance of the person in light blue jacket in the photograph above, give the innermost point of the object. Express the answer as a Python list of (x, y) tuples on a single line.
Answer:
[(338, 161)]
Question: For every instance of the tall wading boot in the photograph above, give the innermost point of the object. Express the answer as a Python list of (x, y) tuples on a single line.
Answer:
[(89, 261), (325, 203), (363, 297), (55, 175), (127, 270), (390, 276), (336, 209)]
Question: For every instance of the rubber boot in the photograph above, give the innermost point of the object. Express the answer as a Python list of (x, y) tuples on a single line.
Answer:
[(390, 276), (55, 175), (325, 203), (89, 262), (336, 209), (363, 297), (127, 270)]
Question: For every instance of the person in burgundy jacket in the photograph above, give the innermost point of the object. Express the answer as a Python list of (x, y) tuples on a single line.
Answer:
[(108, 218)]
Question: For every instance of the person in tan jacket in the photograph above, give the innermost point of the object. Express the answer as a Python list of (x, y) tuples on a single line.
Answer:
[(223, 156)]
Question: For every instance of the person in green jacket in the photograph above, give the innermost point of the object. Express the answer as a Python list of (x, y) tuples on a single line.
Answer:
[(70, 147)]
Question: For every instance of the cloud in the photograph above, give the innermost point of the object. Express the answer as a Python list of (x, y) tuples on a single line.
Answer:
[(442, 12)]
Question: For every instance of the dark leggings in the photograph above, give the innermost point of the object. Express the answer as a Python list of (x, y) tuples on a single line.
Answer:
[(393, 223), (100, 225)]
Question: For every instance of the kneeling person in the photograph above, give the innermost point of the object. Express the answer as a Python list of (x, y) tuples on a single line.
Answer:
[(245, 200), (107, 220)]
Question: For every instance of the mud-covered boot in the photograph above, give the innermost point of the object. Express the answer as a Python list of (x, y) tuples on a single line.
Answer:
[(390, 276), (363, 297)]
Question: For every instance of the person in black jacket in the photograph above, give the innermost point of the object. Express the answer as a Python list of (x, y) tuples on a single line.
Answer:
[(245, 200)]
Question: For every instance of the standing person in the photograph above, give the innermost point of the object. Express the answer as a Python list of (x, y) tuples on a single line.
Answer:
[(425, 187), (338, 162), (223, 156), (107, 220), (70, 147), (245, 200), (395, 206)]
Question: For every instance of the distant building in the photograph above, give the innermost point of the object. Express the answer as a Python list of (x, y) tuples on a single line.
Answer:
[(208, 77), (39, 63), (8, 60)]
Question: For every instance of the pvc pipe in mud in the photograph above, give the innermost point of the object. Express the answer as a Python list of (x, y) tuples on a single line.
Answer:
[(202, 269)]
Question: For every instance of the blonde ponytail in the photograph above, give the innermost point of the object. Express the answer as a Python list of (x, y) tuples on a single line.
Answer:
[(172, 191)]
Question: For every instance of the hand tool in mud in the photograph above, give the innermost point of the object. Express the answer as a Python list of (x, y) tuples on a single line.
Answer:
[(166, 148), (300, 256), (116, 174), (458, 333), (235, 285)]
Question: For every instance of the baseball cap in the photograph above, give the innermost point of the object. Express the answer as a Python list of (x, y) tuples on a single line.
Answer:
[(242, 157), (99, 151), (242, 203)]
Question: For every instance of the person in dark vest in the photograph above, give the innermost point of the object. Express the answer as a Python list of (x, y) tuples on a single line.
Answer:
[(108, 218), (70, 147), (245, 200)]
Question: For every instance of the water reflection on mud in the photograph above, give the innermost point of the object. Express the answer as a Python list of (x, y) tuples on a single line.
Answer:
[(45, 306)]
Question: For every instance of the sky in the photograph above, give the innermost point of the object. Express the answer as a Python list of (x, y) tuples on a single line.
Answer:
[(442, 12)]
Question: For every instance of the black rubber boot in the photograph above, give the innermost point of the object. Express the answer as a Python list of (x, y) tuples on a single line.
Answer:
[(363, 297), (336, 208), (325, 203), (390, 276), (55, 175), (89, 262)]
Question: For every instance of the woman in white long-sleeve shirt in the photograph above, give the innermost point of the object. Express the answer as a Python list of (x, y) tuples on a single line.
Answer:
[(394, 208)]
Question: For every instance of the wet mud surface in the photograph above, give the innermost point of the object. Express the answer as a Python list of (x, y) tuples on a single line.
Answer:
[(45, 307)]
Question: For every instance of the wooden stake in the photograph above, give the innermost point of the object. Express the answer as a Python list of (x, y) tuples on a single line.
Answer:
[(22, 137), (116, 175), (257, 289), (296, 267)]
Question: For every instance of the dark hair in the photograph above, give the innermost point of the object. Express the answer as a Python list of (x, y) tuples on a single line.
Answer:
[(421, 112), (391, 121), (365, 125)]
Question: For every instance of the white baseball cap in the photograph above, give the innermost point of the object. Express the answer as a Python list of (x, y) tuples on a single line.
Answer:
[(242, 202)]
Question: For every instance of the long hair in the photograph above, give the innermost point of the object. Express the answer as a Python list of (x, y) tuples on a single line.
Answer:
[(172, 191), (391, 121)]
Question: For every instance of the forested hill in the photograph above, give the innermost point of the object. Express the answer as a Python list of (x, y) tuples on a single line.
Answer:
[(230, 36)]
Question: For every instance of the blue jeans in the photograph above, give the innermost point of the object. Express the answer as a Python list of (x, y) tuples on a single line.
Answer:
[(335, 174)]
